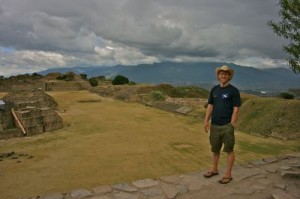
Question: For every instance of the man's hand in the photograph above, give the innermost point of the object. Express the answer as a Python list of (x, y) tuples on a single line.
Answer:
[(209, 110), (206, 127), (233, 124)]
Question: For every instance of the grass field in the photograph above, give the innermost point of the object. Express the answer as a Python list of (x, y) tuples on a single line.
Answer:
[(107, 142)]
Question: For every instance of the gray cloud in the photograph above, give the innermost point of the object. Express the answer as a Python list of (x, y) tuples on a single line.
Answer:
[(43, 34)]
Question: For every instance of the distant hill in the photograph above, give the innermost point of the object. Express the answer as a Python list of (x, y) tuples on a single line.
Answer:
[(200, 73)]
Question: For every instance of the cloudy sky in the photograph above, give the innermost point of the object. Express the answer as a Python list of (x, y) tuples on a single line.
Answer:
[(40, 34)]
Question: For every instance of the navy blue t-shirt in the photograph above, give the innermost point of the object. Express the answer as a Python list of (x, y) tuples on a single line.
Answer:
[(223, 100)]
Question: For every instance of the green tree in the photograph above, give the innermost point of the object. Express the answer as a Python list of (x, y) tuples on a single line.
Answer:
[(36, 75), (289, 28), (120, 80), (93, 81)]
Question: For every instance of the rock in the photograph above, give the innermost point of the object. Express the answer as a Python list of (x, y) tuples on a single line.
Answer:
[(102, 189), (171, 179), (124, 187), (281, 195), (270, 160), (123, 195), (145, 183), (80, 193), (280, 186), (182, 189), (170, 190), (258, 162), (285, 168), (290, 174), (153, 191)]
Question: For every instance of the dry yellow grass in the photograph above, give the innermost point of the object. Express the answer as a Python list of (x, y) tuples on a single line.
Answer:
[(106, 142)]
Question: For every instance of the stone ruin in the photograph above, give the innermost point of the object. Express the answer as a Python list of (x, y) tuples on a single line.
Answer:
[(28, 113)]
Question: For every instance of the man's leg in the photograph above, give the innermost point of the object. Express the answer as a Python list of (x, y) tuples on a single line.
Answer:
[(215, 160), (214, 168), (230, 161)]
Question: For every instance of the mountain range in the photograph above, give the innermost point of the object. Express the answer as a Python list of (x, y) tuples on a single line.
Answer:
[(200, 73)]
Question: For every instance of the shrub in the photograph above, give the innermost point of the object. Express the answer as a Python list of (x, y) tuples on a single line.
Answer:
[(83, 76), (120, 80), (66, 77), (286, 95), (157, 96), (93, 81), (61, 77)]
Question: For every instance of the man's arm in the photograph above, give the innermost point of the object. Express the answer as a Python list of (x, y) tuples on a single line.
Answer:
[(234, 115), (208, 114)]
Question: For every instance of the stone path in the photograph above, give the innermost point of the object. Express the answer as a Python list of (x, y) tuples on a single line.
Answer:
[(274, 178)]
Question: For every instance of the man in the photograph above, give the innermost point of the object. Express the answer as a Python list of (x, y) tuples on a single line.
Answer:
[(223, 107)]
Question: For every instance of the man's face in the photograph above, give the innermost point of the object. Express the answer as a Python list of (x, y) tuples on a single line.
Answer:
[(224, 77)]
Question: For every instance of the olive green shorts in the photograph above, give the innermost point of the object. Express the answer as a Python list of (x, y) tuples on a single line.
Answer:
[(220, 135)]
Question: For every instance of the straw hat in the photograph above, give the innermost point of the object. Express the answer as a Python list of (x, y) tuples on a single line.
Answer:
[(226, 69)]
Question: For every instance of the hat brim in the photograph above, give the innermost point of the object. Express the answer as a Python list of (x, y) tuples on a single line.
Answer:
[(229, 70)]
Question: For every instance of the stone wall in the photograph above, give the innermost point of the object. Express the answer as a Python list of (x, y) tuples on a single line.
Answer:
[(53, 85), (35, 110), (187, 101), (6, 121), (39, 120)]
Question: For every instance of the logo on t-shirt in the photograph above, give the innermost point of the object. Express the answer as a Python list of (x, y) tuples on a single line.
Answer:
[(225, 96)]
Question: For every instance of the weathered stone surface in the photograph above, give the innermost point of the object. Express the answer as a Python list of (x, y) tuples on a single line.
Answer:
[(281, 195), (270, 160), (258, 187), (194, 182), (271, 170), (280, 186), (153, 191), (285, 168), (171, 179), (290, 174), (241, 189), (170, 190), (257, 182), (295, 166), (184, 110), (258, 162), (123, 195), (102, 189), (293, 155), (156, 197), (245, 173), (100, 197), (80, 193), (182, 189), (264, 181), (124, 187), (145, 183)]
